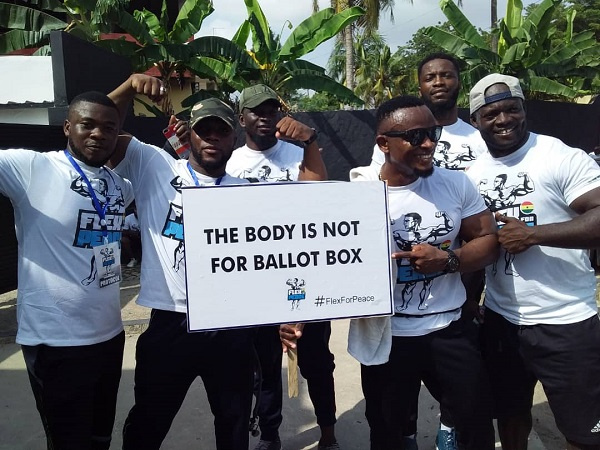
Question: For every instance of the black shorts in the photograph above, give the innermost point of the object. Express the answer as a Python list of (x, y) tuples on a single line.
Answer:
[(564, 358)]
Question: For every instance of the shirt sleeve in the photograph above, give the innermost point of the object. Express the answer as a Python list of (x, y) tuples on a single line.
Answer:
[(128, 195), (136, 159), (577, 175), (472, 201), (16, 172)]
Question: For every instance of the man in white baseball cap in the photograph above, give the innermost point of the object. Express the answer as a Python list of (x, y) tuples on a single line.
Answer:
[(541, 319)]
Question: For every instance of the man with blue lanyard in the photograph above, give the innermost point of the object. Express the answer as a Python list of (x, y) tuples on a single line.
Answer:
[(168, 357), (69, 211)]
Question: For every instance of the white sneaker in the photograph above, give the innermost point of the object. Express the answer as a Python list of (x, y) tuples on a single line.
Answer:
[(132, 263)]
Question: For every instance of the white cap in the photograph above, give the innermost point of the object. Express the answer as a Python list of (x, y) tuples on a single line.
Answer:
[(477, 97)]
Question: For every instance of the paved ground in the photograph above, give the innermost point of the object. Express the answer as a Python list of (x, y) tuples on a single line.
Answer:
[(20, 427)]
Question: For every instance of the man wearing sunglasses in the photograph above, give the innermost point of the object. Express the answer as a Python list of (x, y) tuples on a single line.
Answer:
[(268, 158), (433, 211), (541, 318), (168, 358), (457, 148)]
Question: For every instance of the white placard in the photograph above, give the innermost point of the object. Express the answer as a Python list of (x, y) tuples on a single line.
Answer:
[(273, 253)]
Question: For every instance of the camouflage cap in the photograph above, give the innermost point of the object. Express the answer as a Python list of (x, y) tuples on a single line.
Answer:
[(212, 107), (253, 96)]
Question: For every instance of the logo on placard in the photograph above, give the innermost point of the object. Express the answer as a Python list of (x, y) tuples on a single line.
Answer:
[(296, 292)]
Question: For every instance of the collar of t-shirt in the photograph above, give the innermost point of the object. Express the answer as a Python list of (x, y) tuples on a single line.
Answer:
[(517, 154), (267, 151), (205, 180)]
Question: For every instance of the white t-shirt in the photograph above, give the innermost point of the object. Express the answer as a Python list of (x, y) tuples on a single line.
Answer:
[(536, 184), (131, 223), (459, 146), (429, 210), (59, 300), (157, 179), (278, 163)]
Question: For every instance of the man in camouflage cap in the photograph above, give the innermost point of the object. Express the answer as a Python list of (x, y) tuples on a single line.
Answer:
[(168, 358)]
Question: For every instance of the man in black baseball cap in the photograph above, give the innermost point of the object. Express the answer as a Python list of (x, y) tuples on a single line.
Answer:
[(255, 95), (267, 157)]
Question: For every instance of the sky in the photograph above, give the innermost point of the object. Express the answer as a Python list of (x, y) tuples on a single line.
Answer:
[(229, 14)]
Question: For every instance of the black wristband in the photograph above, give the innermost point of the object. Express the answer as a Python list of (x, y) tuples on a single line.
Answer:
[(311, 139)]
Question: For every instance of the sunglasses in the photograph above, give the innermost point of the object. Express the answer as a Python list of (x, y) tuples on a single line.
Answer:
[(416, 136)]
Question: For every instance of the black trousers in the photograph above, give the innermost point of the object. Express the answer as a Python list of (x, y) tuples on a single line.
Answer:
[(75, 390), (168, 360), (449, 363), (316, 365)]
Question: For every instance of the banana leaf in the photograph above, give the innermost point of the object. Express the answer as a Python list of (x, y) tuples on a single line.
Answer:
[(318, 28), (263, 42), (23, 18), (19, 39), (461, 24), (189, 20), (308, 79)]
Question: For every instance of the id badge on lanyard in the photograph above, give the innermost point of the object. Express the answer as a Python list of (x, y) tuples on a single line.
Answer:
[(108, 263), (107, 256)]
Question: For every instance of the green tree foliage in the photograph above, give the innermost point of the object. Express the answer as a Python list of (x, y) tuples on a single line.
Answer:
[(29, 25), (563, 70), (318, 101), (172, 49), (410, 55), (587, 17), (367, 24), (280, 64), (379, 74)]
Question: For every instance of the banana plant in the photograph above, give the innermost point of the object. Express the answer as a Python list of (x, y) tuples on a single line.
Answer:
[(280, 64), (29, 25), (525, 50), (173, 51)]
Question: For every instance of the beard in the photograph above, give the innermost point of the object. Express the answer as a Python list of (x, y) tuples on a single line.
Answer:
[(441, 107), (424, 173), (263, 141), (210, 165), (78, 154)]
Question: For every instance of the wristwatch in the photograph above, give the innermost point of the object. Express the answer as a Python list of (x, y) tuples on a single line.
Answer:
[(311, 139), (452, 263)]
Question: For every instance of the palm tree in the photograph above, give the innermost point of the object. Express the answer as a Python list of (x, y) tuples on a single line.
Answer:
[(379, 76), (494, 17), (369, 23)]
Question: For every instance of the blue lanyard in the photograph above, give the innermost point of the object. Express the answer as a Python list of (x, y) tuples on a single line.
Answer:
[(99, 209), (196, 182)]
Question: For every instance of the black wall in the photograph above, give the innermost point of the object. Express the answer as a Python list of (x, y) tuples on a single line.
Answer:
[(41, 138), (79, 66)]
